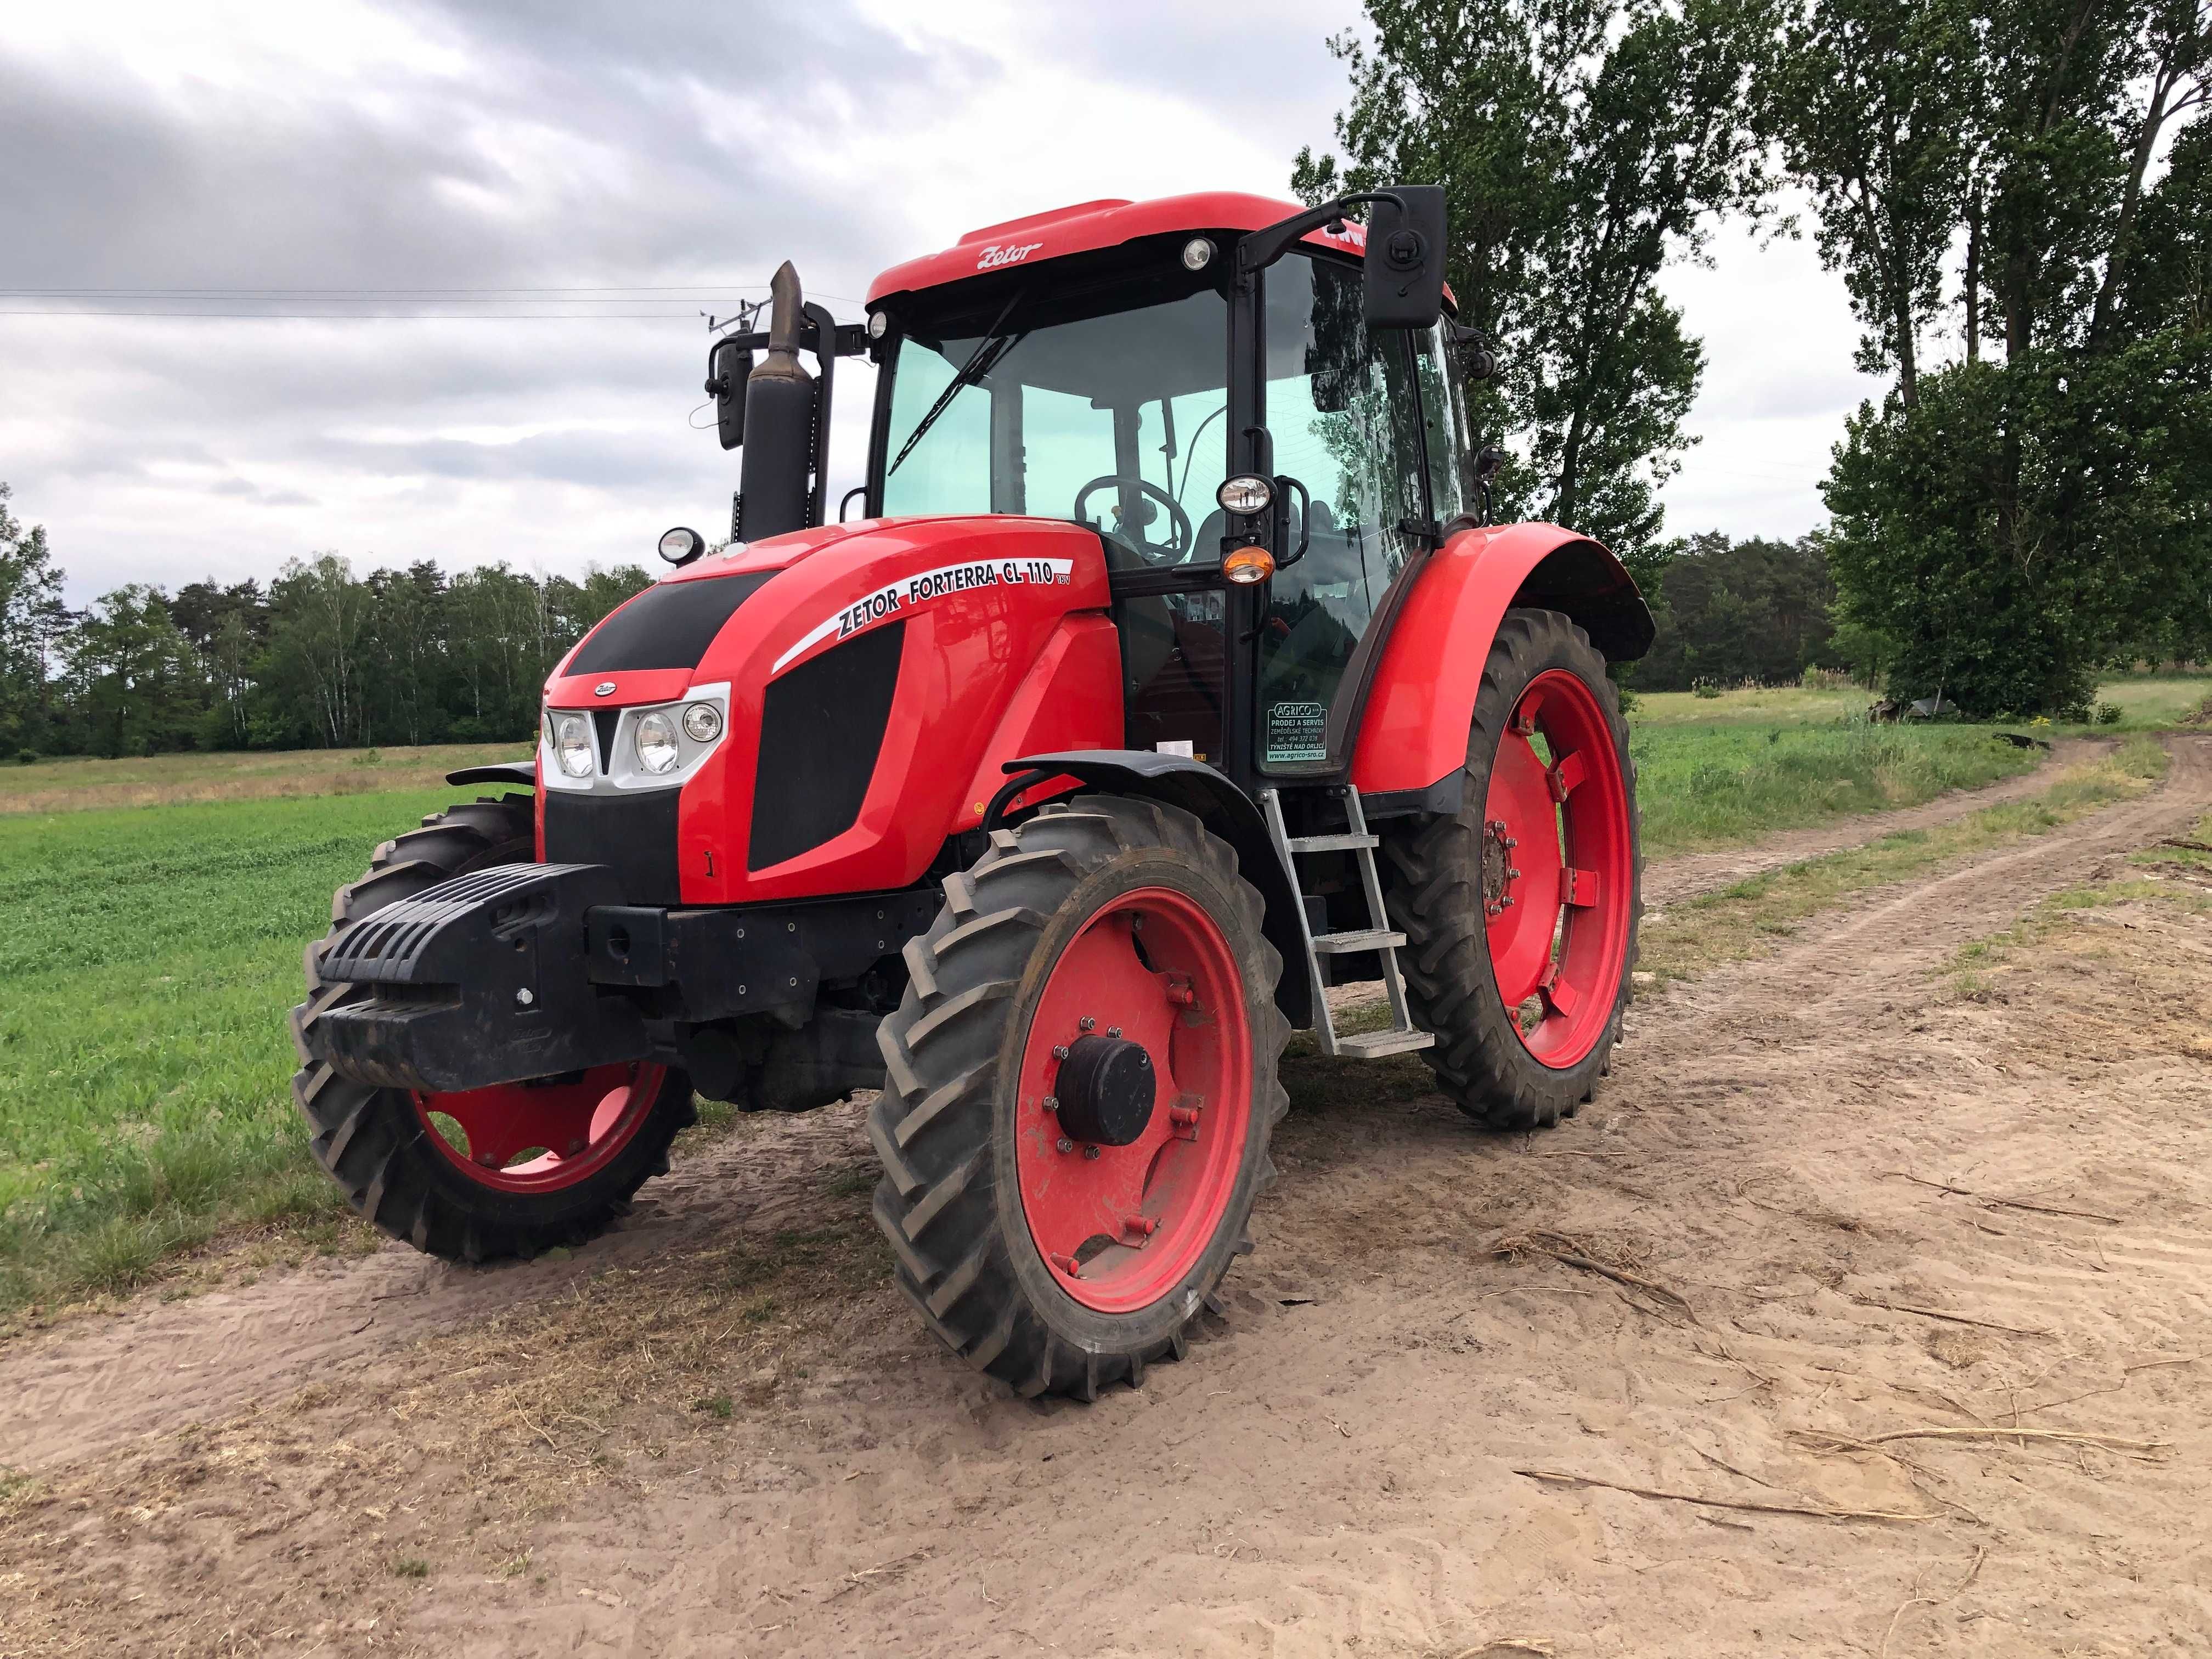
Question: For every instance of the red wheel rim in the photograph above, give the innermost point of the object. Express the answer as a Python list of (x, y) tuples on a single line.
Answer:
[(1121, 1226), (544, 1133), (1558, 868)]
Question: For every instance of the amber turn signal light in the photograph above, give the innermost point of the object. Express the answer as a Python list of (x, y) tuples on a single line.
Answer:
[(1248, 564)]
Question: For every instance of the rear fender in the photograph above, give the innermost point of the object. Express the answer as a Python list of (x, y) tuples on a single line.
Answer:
[(1413, 737), (1224, 808)]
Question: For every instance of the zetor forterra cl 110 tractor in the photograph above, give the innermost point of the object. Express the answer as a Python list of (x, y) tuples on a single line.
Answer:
[(1166, 676)]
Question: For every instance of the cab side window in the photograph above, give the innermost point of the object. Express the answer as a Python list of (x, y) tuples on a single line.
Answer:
[(1342, 409)]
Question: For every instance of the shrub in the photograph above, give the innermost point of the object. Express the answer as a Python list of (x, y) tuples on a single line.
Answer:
[(2107, 714)]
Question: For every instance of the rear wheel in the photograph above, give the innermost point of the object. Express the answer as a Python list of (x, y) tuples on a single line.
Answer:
[(1520, 911), (510, 1170), (1082, 1084)]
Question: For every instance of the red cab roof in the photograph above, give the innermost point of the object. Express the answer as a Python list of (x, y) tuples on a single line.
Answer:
[(1091, 225)]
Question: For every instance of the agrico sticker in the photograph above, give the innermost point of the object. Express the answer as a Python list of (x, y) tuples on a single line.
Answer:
[(908, 591)]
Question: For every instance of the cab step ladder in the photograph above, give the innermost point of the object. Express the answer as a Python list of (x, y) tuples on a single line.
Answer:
[(1401, 1037)]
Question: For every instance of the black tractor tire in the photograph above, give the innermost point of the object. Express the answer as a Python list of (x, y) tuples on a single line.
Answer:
[(1435, 896), (949, 1201), (375, 1144)]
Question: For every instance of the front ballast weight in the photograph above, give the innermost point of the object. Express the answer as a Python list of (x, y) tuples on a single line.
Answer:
[(474, 982)]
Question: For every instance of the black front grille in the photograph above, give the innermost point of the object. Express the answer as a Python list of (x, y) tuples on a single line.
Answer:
[(633, 832), (822, 727)]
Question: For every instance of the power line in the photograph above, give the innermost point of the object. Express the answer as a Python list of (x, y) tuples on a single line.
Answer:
[(290, 293), (386, 316)]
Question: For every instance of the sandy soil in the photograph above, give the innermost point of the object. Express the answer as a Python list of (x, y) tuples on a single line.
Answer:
[(1913, 1422)]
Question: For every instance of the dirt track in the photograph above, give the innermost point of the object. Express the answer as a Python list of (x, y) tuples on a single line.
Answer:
[(1341, 1468)]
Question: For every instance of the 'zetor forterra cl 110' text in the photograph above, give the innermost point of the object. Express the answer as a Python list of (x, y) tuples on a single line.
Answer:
[(1167, 672)]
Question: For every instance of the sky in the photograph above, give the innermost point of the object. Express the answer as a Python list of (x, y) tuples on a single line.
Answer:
[(490, 158)]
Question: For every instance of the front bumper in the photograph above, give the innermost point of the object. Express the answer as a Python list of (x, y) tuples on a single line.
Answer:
[(535, 969)]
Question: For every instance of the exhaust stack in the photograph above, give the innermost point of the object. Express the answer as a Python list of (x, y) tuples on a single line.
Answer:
[(781, 421)]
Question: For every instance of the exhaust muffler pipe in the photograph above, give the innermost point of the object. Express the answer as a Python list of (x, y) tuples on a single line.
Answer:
[(779, 422)]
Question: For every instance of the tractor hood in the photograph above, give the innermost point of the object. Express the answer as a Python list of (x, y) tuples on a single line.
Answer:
[(855, 678)]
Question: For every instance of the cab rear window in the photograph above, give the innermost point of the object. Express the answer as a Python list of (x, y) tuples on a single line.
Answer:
[(670, 625)]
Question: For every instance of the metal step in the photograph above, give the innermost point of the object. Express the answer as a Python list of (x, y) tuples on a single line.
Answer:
[(1364, 939), (1332, 843), (1355, 840), (1373, 1045)]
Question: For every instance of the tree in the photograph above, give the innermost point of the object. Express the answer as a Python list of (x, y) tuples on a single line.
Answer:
[(137, 677), (1582, 145), (2007, 527), (1872, 103), (2100, 465), (31, 620), (1730, 611), (313, 665)]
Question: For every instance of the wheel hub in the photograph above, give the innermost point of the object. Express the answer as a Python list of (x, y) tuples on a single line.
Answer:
[(1498, 873), (1107, 1089)]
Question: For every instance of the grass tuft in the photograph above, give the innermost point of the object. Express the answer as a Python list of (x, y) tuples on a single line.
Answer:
[(1703, 785)]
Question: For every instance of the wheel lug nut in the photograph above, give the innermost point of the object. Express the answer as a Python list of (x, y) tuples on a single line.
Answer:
[(1090, 1152), (1112, 1031), (1512, 875), (1060, 1051), (1087, 1023), (1512, 841), (1050, 1102), (1065, 1144)]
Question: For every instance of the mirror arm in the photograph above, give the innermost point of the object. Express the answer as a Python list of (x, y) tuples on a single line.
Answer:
[(1260, 249)]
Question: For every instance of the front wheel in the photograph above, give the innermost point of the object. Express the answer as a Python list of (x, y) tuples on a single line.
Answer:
[(1520, 911), (510, 1170), (1081, 1086)]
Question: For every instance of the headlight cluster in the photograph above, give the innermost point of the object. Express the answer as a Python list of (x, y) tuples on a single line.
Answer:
[(652, 741)]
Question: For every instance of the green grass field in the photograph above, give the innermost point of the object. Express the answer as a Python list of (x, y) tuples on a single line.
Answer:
[(147, 958), (149, 952)]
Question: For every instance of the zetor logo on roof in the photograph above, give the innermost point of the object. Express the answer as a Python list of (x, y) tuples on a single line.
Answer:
[(1002, 253), (908, 591)]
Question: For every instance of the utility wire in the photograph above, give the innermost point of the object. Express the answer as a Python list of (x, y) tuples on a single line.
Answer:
[(380, 293), (387, 316)]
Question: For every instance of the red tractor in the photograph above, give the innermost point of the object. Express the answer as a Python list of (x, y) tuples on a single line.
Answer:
[(1168, 675)]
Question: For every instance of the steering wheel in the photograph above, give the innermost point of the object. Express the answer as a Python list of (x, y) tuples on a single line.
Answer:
[(1175, 551)]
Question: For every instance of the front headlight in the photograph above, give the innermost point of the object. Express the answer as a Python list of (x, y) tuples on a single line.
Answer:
[(703, 721), (656, 743), (572, 744)]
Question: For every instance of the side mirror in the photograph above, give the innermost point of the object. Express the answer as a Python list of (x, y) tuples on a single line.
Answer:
[(1403, 282), (729, 367)]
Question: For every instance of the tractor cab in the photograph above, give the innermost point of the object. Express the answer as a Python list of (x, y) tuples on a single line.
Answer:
[(1262, 439)]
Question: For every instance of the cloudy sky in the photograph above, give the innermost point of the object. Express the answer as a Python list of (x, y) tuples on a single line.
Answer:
[(538, 198)]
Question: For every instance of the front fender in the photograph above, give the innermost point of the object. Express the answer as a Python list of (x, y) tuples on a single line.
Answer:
[(1226, 811), (1413, 732)]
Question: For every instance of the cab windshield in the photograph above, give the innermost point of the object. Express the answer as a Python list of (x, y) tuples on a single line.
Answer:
[(1104, 405)]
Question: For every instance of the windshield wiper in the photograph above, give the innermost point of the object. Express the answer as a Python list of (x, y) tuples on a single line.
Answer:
[(981, 362)]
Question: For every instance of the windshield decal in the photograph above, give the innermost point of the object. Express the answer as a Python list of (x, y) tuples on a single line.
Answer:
[(908, 591)]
